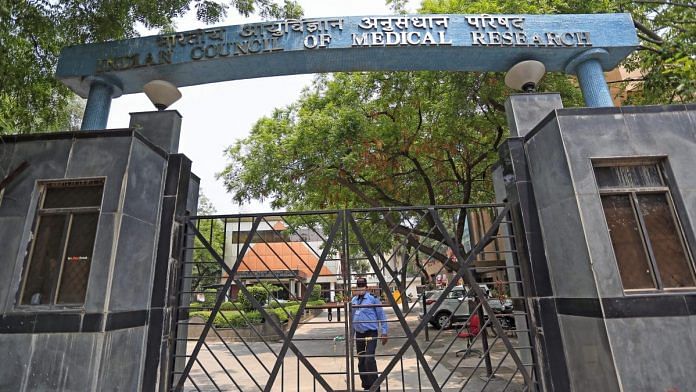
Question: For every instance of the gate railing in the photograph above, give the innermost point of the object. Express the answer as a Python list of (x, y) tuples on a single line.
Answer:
[(265, 301)]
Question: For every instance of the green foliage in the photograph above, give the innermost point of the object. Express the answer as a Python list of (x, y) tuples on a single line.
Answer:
[(195, 305), (32, 34), (228, 319), (227, 306), (316, 293), (257, 292), (276, 304), (286, 311), (206, 271), (371, 139), (210, 298)]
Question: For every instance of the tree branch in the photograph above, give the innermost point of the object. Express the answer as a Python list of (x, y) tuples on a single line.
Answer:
[(653, 37), (643, 47), (424, 175), (454, 167)]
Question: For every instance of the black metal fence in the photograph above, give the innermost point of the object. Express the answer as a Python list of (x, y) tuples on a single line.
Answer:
[(266, 301)]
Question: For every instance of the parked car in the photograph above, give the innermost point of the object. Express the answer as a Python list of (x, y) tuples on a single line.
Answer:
[(455, 307)]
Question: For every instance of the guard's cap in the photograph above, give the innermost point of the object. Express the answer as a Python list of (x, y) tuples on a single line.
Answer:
[(361, 282)]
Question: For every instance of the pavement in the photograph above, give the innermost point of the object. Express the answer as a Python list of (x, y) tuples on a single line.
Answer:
[(240, 366)]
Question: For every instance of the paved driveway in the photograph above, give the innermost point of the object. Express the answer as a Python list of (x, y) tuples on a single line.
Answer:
[(247, 366)]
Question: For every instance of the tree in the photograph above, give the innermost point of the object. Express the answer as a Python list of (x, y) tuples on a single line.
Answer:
[(205, 270), (32, 33), (379, 139)]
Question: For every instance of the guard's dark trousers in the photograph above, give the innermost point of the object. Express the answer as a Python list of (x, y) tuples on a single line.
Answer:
[(366, 344)]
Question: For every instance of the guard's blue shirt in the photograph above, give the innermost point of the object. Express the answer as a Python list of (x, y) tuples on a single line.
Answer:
[(368, 318)]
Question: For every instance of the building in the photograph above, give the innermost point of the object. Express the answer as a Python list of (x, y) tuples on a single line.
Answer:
[(281, 255)]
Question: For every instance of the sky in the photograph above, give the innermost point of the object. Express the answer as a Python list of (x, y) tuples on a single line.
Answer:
[(216, 115)]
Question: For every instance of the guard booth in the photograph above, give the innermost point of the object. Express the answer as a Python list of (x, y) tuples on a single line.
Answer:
[(88, 223), (594, 213)]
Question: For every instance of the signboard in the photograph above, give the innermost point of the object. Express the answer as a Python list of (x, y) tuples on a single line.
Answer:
[(371, 43)]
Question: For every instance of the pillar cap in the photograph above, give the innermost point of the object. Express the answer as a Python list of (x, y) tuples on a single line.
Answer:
[(593, 54), (86, 83)]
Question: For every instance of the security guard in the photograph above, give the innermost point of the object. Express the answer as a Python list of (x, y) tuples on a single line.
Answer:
[(368, 319)]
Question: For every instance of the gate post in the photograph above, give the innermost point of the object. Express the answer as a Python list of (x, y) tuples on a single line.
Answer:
[(512, 185)]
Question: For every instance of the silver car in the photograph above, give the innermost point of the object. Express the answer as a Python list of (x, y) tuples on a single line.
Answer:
[(455, 307)]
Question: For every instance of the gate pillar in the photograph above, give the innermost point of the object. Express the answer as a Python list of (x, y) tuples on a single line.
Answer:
[(88, 226), (513, 185), (586, 188)]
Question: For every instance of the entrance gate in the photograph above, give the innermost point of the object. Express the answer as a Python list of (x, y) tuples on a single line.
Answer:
[(265, 301)]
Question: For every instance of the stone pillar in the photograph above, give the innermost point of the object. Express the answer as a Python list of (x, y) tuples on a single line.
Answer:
[(332, 291), (512, 184), (163, 128)]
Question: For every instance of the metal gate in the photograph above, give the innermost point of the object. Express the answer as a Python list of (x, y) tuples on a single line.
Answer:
[(265, 301)]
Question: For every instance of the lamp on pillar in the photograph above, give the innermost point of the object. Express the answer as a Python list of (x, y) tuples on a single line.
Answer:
[(161, 93), (525, 75)]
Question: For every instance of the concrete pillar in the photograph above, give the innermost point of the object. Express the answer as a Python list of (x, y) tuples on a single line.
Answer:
[(588, 68), (525, 111), (163, 128), (96, 115), (332, 291)]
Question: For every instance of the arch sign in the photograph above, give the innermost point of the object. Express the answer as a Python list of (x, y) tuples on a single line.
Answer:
[(578, 44)]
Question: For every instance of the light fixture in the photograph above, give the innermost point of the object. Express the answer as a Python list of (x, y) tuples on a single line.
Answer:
[(525, 75), (161, 93)]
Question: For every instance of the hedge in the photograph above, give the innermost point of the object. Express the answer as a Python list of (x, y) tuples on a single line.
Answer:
[(233, 318), (227, 319)]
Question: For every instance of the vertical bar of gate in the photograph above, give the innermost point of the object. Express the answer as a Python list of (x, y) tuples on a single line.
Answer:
[(484, 340), (519, 256), (347, 278), (178, 351), (348, 348)]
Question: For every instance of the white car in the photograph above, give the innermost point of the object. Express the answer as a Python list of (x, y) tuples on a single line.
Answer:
[(455, 307)]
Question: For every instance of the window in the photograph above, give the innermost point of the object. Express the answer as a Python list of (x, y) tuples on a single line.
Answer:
[(646, 235), (63, 242)]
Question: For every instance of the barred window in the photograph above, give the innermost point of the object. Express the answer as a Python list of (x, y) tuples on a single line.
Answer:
[(647, 237), (61, 251)]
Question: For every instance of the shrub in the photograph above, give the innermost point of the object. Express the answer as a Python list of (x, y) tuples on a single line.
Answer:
[(227, 306), (282, 316), (316, 293), (227, 319), (258, 292), (235, 319), (210, 298), (318, 302), (276, 304)]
